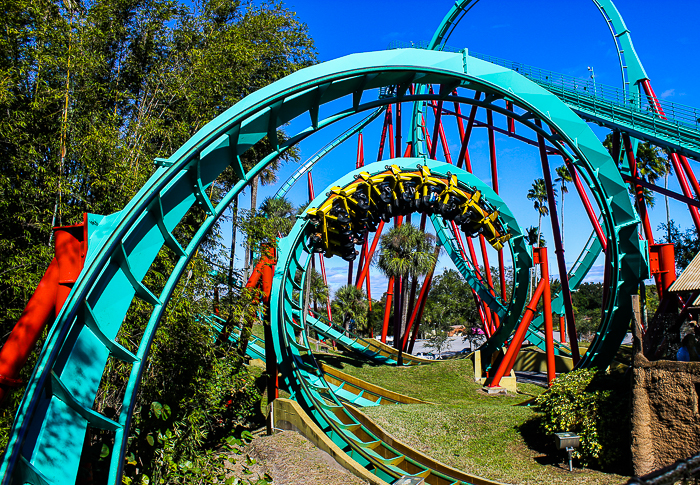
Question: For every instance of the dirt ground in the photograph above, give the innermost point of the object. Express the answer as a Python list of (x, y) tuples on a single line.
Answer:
[(306, 465)]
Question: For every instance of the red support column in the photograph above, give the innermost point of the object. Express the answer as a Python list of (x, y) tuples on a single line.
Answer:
[(487, 269), (375, 240), (586, 204), (387, 124), (38, 313), (511, 120), (691, 176), (494, 179), (45, 304), (436, 129), (680, 174), (387, 308), (216, 301), (398, 128), (517, 341), (547, 310), (662, 264), (414, 312), (464, 151), (458, 115), (562, 329), (638, 190), (392, 150), (654, 101)]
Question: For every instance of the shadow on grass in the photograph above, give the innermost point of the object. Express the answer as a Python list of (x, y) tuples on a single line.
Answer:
[(340, 361)]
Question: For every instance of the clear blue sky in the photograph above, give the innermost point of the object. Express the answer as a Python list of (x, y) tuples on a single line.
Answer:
[(564, 36)]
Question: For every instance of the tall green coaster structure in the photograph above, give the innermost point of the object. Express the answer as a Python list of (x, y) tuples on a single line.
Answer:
[(57, 409), (50, 426)]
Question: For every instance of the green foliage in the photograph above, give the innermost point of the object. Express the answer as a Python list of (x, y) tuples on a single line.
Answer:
[(450, 302), (406, 251), (437, 342), (350, 306), (538, 195), (686, 244), (593, 405), (587, 301), (651, 164), (531, 234), (209, 393), (91, 93)]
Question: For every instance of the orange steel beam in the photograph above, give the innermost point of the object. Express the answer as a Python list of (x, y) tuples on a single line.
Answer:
[(45, 304)]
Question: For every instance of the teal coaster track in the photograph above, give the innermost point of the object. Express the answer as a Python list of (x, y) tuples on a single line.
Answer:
[(48, 433)]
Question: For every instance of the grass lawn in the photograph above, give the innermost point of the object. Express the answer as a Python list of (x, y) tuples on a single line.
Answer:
[(490, 436)]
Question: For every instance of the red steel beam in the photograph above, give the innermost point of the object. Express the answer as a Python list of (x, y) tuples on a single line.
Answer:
[(638, 190), (586, 203), (365, 268), (398, 127), (494, 181), (548, 327), (675, 160), (387, 308), (511, 120), (464, 150), (45, 304), (382, 140), (518, 337)]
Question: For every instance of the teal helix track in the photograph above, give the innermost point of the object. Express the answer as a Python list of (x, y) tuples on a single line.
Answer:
[(57, 409)]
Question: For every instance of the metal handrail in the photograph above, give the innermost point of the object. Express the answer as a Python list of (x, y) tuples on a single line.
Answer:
[(586, 92)]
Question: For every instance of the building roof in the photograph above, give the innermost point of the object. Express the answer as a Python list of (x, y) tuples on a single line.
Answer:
[(689, 280)]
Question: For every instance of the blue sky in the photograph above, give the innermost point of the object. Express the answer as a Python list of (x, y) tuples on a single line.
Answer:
[(565, 37)]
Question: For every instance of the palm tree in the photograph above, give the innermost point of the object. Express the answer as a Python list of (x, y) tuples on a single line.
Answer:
[(538, 195), (405, 251), (531, 235), (351, 306), (563, 177), (319, 290), (651, 165)]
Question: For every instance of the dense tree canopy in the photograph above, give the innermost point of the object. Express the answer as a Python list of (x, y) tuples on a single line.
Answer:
[(91, 93)]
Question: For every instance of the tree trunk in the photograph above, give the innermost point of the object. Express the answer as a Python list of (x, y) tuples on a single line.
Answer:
[(404, 316)]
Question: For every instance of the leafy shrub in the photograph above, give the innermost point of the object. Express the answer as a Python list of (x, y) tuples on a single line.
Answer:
[(593, 405)]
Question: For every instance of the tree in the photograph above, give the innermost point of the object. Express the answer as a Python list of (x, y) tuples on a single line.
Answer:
[(405, 251), (686, 244), (538, 195), (450, 301), (588, 302), (651, 165), (437, 342), (351, 306), (531, 234), (563, 177), (91, 93), (319, 290)]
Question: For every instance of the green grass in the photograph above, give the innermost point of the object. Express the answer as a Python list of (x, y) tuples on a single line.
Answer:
[(490, 436)]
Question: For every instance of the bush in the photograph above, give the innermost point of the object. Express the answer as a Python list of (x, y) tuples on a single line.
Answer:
[(593, 405)]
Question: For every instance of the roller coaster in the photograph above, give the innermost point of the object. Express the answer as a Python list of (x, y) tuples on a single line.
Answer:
[(435, 83)]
